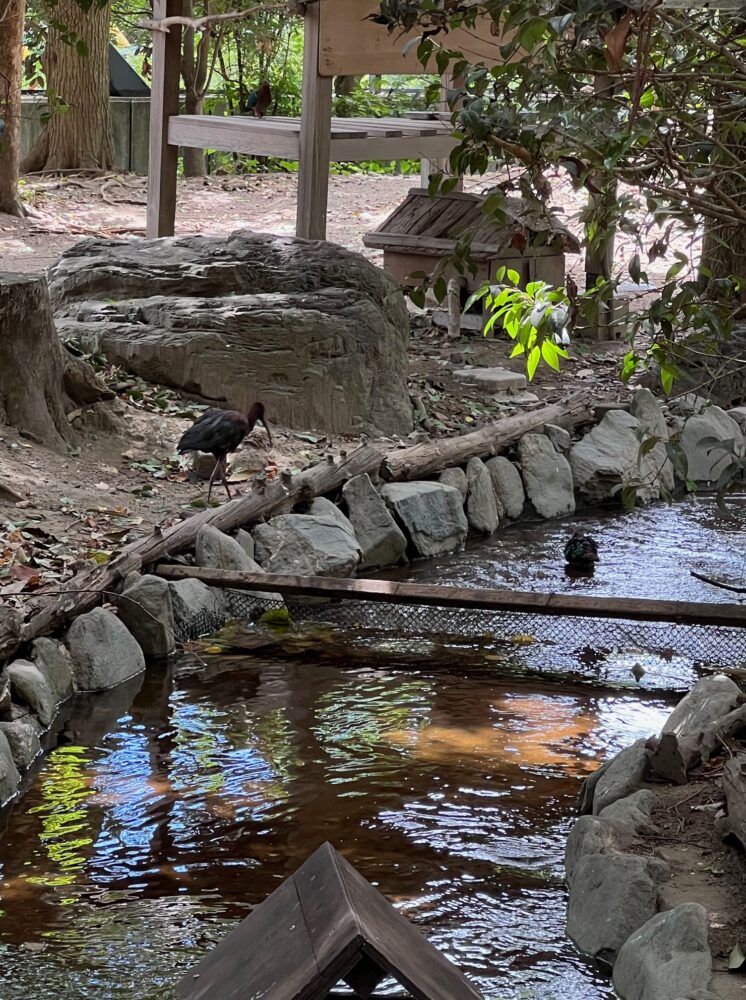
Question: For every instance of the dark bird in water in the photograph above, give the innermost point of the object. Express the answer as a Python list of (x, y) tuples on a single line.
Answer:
[(219, 432), (258, 101), (581, 551)]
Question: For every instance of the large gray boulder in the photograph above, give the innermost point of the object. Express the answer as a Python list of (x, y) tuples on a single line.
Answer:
[(647, 409), (54, 662), (667, 957), (321, 507), (455, 477), (147, 611), (307, 545), (481, 507), (5, 696), (709, 700), (508, 486), (214, 549), (103, 651), (191, 599), (30, 687), (9, 776), (381, 540), (432, 515), (547, 476), (315, 331), (609, 456), (623, 775), (593, 835), (611, 896), (632, 813), (704, 465), (23, 740)]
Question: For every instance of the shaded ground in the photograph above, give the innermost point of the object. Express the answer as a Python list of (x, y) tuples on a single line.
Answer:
[(124, 480)]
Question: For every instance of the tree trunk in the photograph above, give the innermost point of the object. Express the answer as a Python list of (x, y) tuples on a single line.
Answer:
[(195, 73), (723, 246), (78, 133), (193, 159), (36, 372), (11, 55)]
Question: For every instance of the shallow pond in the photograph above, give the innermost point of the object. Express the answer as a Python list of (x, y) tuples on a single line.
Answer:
[(171, 806)]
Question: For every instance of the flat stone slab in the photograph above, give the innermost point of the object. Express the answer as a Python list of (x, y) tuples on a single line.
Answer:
[(493, 379)]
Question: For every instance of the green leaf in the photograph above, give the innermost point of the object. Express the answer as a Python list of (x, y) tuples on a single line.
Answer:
[(514, 277), (533, 362), (81, 47), (647, 445), (629, 497), (549, 353), (634, 268), (668, 374)]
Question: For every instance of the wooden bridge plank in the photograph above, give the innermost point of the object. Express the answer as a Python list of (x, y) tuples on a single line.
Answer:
[(498, 599)]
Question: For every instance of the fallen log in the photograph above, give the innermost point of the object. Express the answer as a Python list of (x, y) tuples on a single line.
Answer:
[(84, 591), (434, 456)]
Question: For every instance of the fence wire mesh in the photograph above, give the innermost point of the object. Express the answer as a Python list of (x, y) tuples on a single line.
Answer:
[(427, 636)]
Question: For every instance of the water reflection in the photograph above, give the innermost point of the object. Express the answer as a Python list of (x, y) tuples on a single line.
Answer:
[(133, 854)]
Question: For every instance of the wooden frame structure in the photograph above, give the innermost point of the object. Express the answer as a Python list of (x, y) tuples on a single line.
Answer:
[(339, 41)]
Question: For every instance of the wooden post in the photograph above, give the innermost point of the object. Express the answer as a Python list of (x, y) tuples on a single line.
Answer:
[(164, 102), (428, 167), (315, 135)]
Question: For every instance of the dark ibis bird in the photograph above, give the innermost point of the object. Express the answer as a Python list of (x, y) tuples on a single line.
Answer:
[(259, 100), (581, 551), (219, 432)]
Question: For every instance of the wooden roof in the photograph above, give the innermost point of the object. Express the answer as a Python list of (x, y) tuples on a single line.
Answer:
[(324, 923), (431, 224)]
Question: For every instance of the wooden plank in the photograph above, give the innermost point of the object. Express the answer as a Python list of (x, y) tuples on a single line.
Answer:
[(315, 136), (408, 147), (351, 45), (253, 142), (497, 599), (438, 245), (164, 102)]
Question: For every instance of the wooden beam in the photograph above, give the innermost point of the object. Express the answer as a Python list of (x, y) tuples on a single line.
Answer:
[(315, 136), (164, 102), (480, 599)]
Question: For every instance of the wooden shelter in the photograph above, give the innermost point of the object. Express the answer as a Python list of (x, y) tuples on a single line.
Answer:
[(423, 229), (324, 924), (338, 41)]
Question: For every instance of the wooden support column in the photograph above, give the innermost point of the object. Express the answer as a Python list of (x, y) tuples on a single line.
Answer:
[(164, 102), (315, 135)]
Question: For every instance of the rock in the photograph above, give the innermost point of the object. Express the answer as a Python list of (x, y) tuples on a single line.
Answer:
[(54, 662), (611, 896), (432, 514), (321, 507), (632, 813), (131, 579), (4, 695), (546, 475), (307, 545), (103, 651), (29, 686), (246, 541), (191, 599), (508, 487), (481, 507), (623, 776), (648, 411), (709, 700), (730, 726), (455, 477), (738, 413), (609, 456), (9, 776), (705, 465), (492, 379), (23, 741), (559, 437), (734, 787), (688, 404), (588, 788), (667, 957), (593, 835), (315, 331), (146, 610), (214, 549), (380, 539)]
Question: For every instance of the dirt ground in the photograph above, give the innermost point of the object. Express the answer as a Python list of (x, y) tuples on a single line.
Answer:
[(125, 479)]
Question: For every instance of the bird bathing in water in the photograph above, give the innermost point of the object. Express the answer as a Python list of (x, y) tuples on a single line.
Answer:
[(581, 551), (218, 433)]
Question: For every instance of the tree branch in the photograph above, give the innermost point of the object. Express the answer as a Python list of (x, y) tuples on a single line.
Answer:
[(199, 23)]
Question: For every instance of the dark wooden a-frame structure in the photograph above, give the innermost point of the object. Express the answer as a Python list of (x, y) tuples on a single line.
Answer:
[(323, 925)]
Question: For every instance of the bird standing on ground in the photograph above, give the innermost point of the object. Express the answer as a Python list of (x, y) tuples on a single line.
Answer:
[(581, 551), (219, 432), (258, 101)]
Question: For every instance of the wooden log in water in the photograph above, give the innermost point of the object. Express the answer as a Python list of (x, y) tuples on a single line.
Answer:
[(498, 599), (434, 456)]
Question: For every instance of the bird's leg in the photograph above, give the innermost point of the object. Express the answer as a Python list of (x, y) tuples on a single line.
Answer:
[(223, 474), (266, 427), (212, 479)]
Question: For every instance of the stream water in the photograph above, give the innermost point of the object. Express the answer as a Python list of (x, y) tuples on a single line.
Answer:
[(166, 809)]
